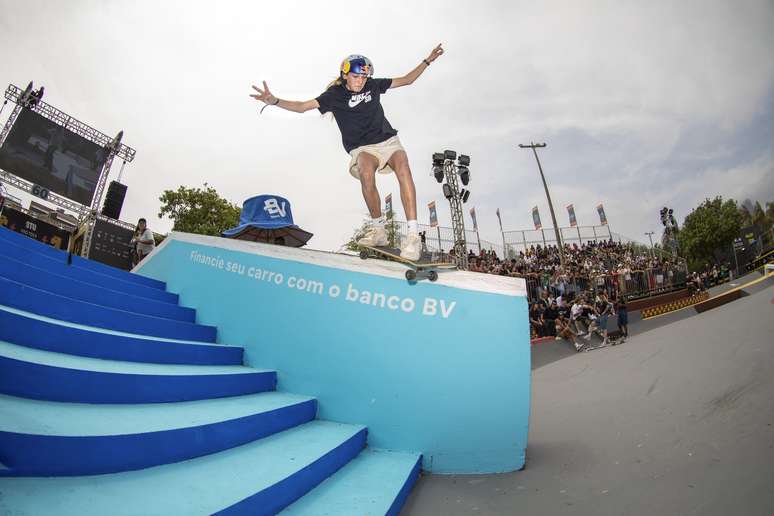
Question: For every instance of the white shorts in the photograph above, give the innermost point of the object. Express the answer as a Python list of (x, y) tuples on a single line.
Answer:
[(382, 151)]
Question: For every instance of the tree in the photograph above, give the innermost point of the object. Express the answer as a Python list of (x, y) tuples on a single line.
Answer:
[(391, 227), (197, 210), (351, 245), (759, 216), (746, 216), (712, 225)]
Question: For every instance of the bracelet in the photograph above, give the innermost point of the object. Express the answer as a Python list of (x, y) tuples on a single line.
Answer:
[(426, 62), (267, 105)]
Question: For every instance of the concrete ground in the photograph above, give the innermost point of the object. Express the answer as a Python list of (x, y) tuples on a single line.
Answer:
[(678, 420)]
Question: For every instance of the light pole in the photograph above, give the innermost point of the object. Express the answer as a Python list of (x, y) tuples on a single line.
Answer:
[(650, 236), (534, 146)]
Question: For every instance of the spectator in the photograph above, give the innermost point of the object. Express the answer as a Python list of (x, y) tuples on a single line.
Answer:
[(604, 309), (576, 314), (564, 331), (142, 240), (550, 315), (623, 316), (536, 319)]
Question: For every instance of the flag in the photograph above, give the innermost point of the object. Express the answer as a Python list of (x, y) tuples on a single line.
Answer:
[(602, 217), (433, 214), (500, 220), (388, 205), (571, 213), (536, 218), (473, 216)]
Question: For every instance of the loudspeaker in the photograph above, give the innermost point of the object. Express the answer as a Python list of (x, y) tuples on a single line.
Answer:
[(114, 200)]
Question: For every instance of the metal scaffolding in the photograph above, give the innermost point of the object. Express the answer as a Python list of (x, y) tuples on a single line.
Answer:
[(28, 99), (458, 222)]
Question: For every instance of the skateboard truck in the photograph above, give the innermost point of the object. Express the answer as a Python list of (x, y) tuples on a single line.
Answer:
[(415, 268)]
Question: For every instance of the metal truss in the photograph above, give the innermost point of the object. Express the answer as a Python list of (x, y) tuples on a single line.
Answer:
[(87, 214), (458, 222), (16, 95)]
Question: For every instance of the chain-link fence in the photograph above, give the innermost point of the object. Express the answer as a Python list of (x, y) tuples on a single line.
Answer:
[(441, 239)]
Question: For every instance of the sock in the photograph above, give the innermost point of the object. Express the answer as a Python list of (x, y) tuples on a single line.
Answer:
[(413, 227), (377, 222)]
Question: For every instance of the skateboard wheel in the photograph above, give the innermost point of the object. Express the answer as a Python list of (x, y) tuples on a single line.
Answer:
[(432, 275), (411, 275), (363, 254)]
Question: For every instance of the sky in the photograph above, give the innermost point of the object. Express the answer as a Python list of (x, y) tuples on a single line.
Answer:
[(641, 104)]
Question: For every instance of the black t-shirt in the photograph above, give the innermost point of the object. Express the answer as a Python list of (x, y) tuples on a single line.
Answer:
[(360, 116)]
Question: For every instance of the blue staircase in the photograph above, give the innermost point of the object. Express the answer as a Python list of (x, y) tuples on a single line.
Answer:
[(113, 400)]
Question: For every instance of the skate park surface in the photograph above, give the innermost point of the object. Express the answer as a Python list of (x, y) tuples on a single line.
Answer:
[(678, 420)]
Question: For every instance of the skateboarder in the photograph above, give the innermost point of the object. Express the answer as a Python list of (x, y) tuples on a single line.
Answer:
[(368, 137)]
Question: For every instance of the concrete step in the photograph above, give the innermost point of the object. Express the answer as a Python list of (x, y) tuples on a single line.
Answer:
[(62, 267), (45, 375), (41, 302), (62, 256), (102, 295), (40, 332), (261, 477), (375, 483), (44, 438)]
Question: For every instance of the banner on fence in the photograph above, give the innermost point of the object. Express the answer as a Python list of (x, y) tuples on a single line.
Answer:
[(571, 214), (602, 217), (433, 214), (536, 217)]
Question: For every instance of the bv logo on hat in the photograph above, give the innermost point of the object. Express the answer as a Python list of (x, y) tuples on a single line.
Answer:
[(273, 208)]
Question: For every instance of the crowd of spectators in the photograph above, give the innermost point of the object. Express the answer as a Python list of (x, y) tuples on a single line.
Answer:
[(616, 266), (619, 270), (587, 260), (572, 317), (709, 276)]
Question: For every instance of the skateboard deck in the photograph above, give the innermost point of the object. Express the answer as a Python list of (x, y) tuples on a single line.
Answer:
[(612, 341), (426, 263)]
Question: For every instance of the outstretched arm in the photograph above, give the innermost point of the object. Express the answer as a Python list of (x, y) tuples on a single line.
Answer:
[(266, 96), (410, 77)]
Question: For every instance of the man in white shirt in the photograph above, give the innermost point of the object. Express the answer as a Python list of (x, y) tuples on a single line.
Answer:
[(143, 239)]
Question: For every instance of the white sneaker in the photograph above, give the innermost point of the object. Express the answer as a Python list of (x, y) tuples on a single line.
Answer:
[(374, 236), (411, 248)]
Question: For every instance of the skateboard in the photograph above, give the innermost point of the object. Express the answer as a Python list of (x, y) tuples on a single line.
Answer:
[(427, 263), (611, 341)]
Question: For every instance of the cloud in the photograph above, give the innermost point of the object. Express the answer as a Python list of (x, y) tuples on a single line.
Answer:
[(641, 104)]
